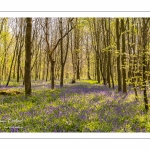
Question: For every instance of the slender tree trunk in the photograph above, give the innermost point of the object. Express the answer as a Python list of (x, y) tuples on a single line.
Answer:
[(18, 65), (52, 73), (118, 57), (5, 57), (21, 44), (62, 76), (10, 69), (78, 60), (88, 72), (109, 56), (104, 64), (44, 68), (63, 50), (88, 59), (123, 57), (61, 53), (129, 49), (47, 66), (77, 45), (39, 67), (18, 60), (97, 68), (27, 77), (144, 37), (134, 68)]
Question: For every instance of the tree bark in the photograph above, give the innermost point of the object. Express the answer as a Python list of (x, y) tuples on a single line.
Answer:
[(27, 77), (123, 57), (144, 37), (118, 57), (52, 72)]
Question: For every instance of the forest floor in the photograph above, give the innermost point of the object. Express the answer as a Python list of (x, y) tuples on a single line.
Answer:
[(81, 107)]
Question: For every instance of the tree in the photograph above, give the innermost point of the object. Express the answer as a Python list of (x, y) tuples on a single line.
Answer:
[(95, 30), (27, 77), (118, 54), (63, 50), (123, 57), (88, 58), (50, 49), (144, 41)]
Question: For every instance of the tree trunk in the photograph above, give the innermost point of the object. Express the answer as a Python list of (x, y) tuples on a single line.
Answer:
[(27, 77), (144, 37), (123, 57), (109, 57), (11, 68), (118, 57), (129, 50), (61, 53), (52, 73), (47, 66), (88, 72), (97, 68), (62, 76)]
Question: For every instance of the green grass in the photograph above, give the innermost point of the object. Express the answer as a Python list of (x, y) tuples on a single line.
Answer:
[(82, 107), (89, 81)]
